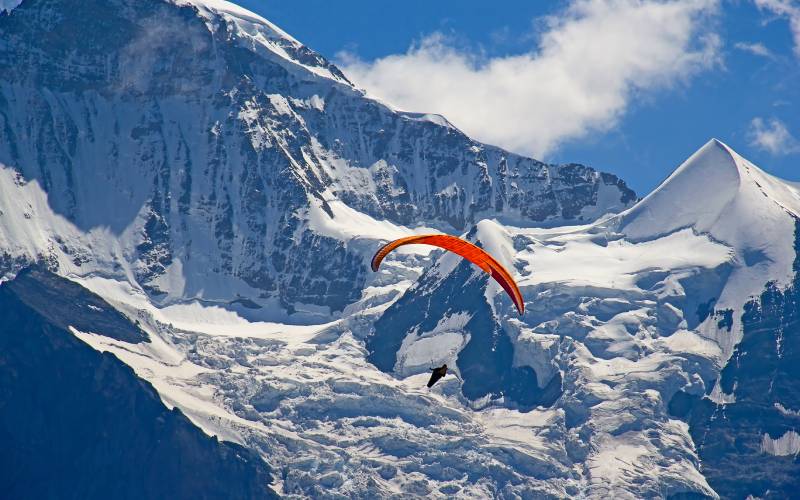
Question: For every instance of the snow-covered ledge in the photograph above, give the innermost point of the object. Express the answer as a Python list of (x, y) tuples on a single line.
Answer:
[(788, 444)]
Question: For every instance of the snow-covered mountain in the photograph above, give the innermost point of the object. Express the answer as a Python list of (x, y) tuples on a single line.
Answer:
[(222, 157), (624, 314), (222, 187)]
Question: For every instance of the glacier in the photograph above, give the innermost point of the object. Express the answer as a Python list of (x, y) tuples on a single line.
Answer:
[(223, 187)]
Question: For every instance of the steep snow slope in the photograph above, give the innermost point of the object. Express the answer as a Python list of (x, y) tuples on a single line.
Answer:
[(308, 398), (574, 398), (204, 139), (752, 436), (258, 34)]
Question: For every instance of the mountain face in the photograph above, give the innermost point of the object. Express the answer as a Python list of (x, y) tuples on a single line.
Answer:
[(202, 193), (209, 144), (681, 308), (77, 423), (753, 436)]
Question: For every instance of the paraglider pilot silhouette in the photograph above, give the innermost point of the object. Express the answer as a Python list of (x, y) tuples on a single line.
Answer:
[(437, 374), (467, 250)]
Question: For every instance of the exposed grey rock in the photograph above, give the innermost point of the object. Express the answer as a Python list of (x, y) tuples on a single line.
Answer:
[(179, 131)]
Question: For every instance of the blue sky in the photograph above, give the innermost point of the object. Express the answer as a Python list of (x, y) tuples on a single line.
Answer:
[(627, 86)]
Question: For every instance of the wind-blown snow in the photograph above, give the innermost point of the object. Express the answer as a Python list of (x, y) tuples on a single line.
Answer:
[(258, 31)]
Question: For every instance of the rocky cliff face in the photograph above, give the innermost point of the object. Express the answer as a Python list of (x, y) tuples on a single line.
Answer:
[(752, 436), (200, 136)]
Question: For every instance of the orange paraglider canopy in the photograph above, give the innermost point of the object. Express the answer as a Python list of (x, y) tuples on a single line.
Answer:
[(465, 249)]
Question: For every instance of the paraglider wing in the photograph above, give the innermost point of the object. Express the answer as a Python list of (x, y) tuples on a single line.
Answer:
[(465, 249)]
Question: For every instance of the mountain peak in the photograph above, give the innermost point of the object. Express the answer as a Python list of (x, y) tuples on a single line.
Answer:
[(713, 186), (720, 194), (232, 9), (255, 32), (199, 134), (693, 195)]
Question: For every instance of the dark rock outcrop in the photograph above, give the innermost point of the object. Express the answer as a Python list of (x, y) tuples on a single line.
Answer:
[(763, 377), (77, 423)]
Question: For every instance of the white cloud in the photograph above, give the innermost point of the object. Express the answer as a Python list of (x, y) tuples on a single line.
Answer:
[(772, 136), (789, 9), (754, 48), (590, 62)]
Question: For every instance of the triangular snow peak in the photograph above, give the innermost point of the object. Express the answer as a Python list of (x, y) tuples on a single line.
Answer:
[(694, 195), (718, 192)]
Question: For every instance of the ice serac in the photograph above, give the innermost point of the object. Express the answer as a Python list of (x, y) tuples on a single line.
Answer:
[(669, 329), (751, 435), (207, 144)]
